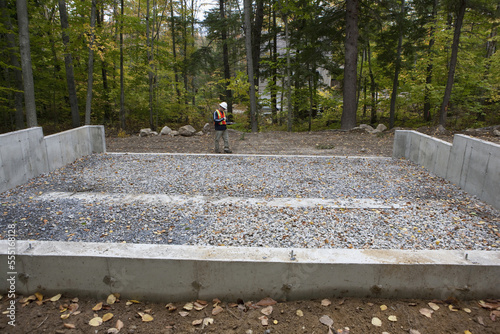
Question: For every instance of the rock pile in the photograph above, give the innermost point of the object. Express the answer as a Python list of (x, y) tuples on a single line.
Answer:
[(186, 131)]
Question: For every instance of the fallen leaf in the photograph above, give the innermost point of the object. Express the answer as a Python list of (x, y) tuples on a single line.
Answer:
[(27, 299), (111, 299), (264, 320), (39, 296), (73, 307), (326, 302), (146, 317), (346, 330), (300, 313), (451, 308), (426, 312), (119, 324), (494, 315), (70, 326), (266, 302), (414, 331), (467, 332), (112, 331), (275, 322), (490, 305), (481, 321), (208, 321), (383, 307), (217, 310), (197, 322), (107, 317), (376, 322), (65, 316), (98, 307), (433, 306), (198, 307), (97, 321), (133, 301), (188, 306), (171, 307), (183, 313), (326, 320), (393, 318), (55, 298), (216, 301), (202, 302), (467, 310), (267, 310)]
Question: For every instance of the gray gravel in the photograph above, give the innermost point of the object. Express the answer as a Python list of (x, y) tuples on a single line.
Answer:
[(259, 201)]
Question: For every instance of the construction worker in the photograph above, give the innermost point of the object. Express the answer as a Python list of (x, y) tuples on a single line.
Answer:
[(221, 128)]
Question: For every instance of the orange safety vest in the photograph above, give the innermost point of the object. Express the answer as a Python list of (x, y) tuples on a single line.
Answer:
[(220, 114)]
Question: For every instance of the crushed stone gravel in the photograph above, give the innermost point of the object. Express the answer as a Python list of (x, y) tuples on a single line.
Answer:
[(118, 198)]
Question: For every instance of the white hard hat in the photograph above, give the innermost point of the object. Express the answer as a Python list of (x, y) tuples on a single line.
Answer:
[(223, 105)]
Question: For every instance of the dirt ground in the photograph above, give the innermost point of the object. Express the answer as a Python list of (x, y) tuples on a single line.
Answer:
[(73, 314)]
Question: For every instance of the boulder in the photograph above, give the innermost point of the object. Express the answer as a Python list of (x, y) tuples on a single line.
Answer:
[(441, 130), (496, 133), (200, 133), (165, 131), (146, 132), (367, 127), (206, 128), (381, 127), (187, 131), (174, 133)]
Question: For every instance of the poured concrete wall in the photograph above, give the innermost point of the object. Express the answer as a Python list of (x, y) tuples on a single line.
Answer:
[(180, 273), (27, 153), (470, 163)]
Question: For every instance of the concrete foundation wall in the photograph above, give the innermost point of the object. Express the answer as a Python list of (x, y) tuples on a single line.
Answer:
[(470, 163), (27, 153), (180, 273)]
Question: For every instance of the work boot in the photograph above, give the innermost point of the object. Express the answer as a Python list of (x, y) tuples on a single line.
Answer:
[(226, 150)]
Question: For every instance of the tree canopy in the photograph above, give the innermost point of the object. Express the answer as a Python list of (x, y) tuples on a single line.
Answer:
[(150, 63)]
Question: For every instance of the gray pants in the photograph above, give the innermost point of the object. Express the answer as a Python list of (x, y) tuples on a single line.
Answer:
[(225, 136)]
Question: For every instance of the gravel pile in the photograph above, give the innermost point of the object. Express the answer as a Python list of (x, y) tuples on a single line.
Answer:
[(230, 200)]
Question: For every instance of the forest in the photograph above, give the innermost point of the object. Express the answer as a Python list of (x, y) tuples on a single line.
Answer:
[(290, 65)]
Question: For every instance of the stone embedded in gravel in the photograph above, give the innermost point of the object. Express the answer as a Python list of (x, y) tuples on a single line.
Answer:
[(258, 201)]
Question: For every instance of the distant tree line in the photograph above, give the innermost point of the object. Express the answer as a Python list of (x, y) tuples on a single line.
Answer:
[(319, 64)]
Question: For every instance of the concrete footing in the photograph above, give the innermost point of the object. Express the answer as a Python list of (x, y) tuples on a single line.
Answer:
[(470, 163), (27, 153), (180, 273)]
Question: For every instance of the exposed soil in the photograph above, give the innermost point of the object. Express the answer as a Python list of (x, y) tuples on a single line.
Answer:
[(287, 316)]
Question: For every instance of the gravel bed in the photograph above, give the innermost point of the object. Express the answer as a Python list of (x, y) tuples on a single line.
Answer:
[(428, 212)]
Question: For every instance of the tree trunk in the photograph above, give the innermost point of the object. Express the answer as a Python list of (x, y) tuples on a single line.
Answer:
[(453, 62), (174, 51), (122, 74), (18, 75), (256, 38), (428, 78), (90, 80), (348, 119), (24, 46), (225, 59), (68, 62), (251, 81), (274, 75), (150, 71), (395, 81), (288, 76), (373, 115)]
